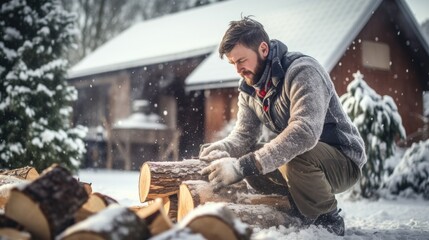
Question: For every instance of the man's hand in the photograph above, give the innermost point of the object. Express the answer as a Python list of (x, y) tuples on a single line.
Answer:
[(211, 152), (223, 172), (214, 155)]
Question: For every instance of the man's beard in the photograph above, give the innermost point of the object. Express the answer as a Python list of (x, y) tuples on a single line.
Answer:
[(260, 66)]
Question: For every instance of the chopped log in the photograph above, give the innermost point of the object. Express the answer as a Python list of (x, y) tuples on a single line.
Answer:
[(12, 233), (6, 222), (6, 184), (46, 206), (262, 215), (113, 222), (179, 233), (192, 193), (162, 179), (95, 203), (171, 207), (87, 187), (155, 216), (195, 193), (215, 221), (28, 173)]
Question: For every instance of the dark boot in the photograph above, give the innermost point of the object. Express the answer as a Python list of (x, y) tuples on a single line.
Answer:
[(332, 222)]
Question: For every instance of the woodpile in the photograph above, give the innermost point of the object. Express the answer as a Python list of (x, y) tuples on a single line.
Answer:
[(177, 202), (183, 179)]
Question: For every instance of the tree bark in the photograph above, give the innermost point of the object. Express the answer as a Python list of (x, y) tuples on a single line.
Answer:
[(28, 173), (248, 206), (113, 222), (162, 179), (46, 206), (215, 221)]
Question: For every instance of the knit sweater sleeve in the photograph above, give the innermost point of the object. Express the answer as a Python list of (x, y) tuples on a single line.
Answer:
[(246, 131), (307, 86)]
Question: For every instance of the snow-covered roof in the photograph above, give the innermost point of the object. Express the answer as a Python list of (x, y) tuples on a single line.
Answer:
[(321, 29), (172, 37)]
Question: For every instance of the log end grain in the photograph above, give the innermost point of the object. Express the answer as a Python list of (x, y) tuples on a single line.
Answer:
[(144, 182)]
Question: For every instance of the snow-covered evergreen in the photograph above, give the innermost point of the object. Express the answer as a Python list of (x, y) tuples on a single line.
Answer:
[(35, 100), (411, 175), (378, 122)]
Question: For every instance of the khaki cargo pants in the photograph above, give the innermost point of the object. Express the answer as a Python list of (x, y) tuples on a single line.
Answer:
[(311, 179)]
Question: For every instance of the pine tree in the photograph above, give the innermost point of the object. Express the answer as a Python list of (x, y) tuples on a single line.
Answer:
[(378, 122), (34, 96)]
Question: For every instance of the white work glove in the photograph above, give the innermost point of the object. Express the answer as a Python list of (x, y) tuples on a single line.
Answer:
[(214, 155), (223, 172), (212, 152)]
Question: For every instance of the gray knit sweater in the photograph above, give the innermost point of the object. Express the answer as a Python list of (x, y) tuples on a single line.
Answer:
[(304, 109)]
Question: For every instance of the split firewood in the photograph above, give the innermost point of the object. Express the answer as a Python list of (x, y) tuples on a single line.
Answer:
[(28, 173), (216, 221), (95, 203), (6, 184), (171, 204), (178, 233), (46, 206), (113, 222), (12, 233), (155, 216), (87, 187), (162, 179)]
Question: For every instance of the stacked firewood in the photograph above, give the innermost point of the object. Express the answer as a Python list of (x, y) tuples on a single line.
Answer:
[(177, 203)]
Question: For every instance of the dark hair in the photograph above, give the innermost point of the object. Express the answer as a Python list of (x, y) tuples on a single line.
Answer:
[(247, 32)]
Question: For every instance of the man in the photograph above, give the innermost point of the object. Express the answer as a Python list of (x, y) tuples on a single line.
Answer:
[(317, 152)]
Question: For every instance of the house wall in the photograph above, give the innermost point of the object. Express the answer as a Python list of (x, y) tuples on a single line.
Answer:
[(403, 81)]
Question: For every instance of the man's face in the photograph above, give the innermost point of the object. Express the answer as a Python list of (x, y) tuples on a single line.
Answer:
[(248, 63)]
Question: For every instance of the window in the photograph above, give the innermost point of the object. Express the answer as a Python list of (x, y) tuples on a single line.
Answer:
[(376, 55)]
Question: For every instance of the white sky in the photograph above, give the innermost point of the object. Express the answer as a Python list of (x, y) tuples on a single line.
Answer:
[(420, 9)]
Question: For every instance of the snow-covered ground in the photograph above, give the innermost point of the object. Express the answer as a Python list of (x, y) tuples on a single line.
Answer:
[(365, 219)]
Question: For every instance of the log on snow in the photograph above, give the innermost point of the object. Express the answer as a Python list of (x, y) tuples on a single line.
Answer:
[(162, 179), (46, 206), (192, 193), (113, 222), (28, 173), (216, 221), (261, 215)]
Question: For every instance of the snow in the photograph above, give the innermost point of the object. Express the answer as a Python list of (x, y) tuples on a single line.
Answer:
[(141, 121), (395, 218)]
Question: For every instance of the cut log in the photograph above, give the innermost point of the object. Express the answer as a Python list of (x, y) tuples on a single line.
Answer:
[(261, 215), (215, 221), (96, 202), (87, 187), (195, 193), (28, 173), (192, 193), (155, 216), (12, 233), (162, 179), (6, 184), (179, 234), (46, 206), (171, 206), (113, 222)]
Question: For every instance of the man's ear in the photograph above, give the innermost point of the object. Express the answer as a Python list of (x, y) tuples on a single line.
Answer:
[(264, 49)]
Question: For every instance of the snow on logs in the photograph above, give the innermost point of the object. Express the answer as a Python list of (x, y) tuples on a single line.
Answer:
[(183, 179)]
